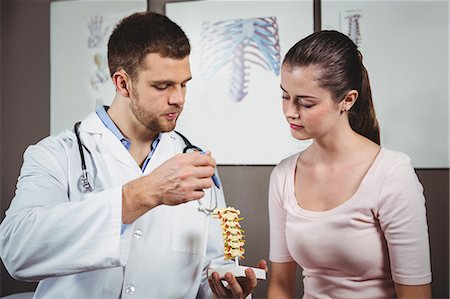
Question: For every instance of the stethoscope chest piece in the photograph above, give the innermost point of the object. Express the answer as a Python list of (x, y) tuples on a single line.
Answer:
[(85, 182)]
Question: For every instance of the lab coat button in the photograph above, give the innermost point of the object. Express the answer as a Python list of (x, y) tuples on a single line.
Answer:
[(137, 233), (130, 290)]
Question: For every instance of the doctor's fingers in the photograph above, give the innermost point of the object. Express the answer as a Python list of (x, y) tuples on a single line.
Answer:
[(217, 286), (176, 197), (204, 171), (238, 290), (195, 195), (199, 159), (250, 282), (193, 173), (204, 183), (262, 264), (192, 189)]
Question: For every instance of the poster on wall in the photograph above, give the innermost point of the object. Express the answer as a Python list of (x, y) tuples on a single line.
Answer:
[(80, 78), (233, 103), (405, 50)]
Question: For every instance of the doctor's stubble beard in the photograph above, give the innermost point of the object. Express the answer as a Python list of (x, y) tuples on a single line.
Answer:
[(151, 120)]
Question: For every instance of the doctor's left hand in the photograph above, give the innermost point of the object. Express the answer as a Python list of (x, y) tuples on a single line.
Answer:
[(237, 287)]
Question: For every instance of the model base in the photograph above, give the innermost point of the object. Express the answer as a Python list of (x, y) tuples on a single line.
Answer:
[(238, 271)]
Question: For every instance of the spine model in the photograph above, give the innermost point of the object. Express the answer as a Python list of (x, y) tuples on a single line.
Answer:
[(232, 233)]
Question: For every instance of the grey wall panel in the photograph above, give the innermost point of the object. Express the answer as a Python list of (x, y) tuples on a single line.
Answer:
[(436, 190), (246, 189), (25, 92), (2, 208)]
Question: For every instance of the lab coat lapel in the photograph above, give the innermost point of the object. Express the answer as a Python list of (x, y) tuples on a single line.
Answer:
[(105, 142), (164, 151)]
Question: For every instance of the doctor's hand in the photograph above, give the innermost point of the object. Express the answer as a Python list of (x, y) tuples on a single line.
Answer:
[(237, 287), (178, 180)]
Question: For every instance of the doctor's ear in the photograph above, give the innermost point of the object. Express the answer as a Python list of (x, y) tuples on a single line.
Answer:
[(121, 82)]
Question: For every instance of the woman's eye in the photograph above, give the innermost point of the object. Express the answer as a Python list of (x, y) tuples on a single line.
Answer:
[(305, 105)]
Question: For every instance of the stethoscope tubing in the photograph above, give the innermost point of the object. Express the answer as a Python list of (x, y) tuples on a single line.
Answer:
[(85, 185), (80, 146)]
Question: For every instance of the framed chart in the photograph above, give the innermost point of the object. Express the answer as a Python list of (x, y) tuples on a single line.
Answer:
[(80, 77), (405, 49), (233, 103)]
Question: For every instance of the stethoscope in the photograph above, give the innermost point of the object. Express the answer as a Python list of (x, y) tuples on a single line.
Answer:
[(85, 185)]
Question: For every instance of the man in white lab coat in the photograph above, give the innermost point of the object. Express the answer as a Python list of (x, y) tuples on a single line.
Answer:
[(133, 228)]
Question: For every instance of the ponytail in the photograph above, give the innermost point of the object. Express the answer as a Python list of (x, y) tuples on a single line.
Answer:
[(362, 115)]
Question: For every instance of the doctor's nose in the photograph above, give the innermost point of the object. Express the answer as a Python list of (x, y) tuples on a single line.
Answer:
[(177, 95)]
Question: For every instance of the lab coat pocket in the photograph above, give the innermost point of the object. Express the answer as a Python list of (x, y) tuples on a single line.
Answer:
[(190, 229)]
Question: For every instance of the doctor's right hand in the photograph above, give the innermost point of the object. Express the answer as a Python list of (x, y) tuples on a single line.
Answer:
[(178, 180)]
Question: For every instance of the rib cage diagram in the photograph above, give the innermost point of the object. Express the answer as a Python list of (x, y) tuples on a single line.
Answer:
[(239, 44)]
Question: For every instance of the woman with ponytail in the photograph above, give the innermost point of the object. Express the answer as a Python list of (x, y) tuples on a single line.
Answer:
[(349, 212)]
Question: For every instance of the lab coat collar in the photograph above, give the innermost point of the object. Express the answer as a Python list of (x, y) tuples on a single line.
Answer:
[(106, 142), (92, 124)]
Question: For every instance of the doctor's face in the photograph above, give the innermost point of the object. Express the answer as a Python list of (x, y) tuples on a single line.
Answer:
[(158, 94)]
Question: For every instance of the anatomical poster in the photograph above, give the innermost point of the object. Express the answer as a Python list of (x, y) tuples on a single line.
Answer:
[(405, 50), (80, 77), (233, 103)]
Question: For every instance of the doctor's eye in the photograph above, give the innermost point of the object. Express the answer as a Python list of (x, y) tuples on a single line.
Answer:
[(161, 86)]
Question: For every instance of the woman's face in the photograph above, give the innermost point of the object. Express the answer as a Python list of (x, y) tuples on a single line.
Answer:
[(308, 108)]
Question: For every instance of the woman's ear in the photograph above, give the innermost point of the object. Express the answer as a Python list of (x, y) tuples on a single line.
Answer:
[(349, 100), (121, 82)]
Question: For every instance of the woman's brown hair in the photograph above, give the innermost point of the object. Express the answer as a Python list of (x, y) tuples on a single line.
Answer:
[(341, 70)]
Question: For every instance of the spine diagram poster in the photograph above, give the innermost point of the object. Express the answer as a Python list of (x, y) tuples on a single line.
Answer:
[(79, 36), (233, 103), (405, 49)]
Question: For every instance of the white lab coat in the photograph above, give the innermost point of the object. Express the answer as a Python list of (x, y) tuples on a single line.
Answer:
[(71, 242)]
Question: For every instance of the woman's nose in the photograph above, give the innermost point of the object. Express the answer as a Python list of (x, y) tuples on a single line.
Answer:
[(292, 110)]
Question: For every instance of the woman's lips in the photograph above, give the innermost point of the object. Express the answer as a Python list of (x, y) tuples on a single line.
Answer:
[(296, 127)]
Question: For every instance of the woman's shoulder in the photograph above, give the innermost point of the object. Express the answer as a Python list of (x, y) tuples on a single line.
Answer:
[(393, 165), (288, 162), (393, 157), (284, 168)]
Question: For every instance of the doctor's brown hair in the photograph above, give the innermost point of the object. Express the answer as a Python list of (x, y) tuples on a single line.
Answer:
[(143, 33), (340, 70)]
